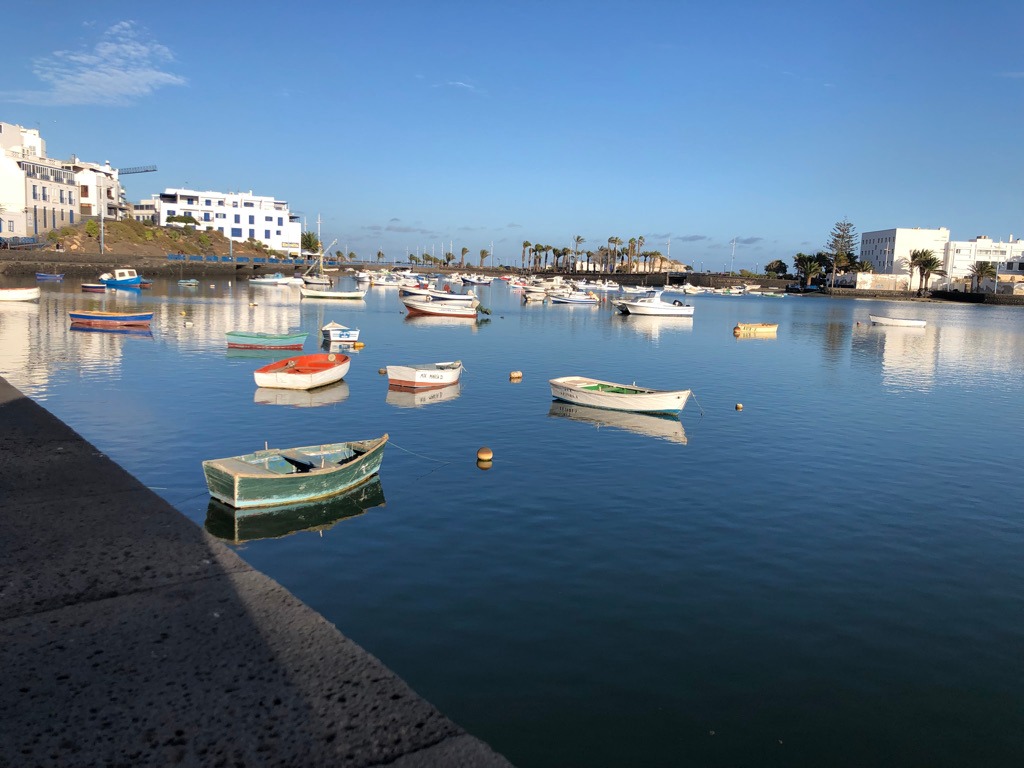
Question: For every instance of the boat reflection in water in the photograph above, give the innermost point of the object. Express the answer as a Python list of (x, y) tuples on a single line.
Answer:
[(345, 347), (223, 521), (652, 326), (662, 426), (259, 354), (122, 331), (406, 397), (429, 321), (299, 398)]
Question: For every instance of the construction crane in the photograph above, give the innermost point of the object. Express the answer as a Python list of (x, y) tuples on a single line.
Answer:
[(136, 169)]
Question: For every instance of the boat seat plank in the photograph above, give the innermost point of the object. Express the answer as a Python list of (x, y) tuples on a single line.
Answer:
[(299, 460)]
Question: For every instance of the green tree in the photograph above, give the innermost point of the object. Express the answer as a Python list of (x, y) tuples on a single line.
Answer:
[(777, 267), (577, 241), (484, 253), (380, 256), (862, 266), (807, 267), (449, 258), (465, 251), (981, 270), (841, 245), (310, 242), (352, 256), (414, 259), (92, 229), (927, 264), (527, 245), (614, 243)]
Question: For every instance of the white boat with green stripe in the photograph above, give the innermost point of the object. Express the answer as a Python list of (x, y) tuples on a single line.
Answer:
[(583, 390)]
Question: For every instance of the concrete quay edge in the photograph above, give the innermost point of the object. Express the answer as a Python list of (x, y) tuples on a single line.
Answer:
[(131, 637)]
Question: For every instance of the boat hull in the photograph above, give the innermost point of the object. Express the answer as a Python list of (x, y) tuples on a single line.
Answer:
[(897, 322), (439, 308), (424, 376), (247, 340), (755, 329), (49, 277), (659, 308), (20, 294), (335, 332), (303, 372), (112, 319), (94, 288), (265, 478), (312, 293), (582, 390)]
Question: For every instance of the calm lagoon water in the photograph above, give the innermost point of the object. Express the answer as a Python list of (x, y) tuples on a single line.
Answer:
[(831, 576)]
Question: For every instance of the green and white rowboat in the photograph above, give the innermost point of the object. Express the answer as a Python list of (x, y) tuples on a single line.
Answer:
[(292, 475)]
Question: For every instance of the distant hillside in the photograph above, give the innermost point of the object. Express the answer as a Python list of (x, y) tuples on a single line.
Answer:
[(146, 240)]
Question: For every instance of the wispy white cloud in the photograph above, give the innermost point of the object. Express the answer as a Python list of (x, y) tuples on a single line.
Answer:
[(124, 66), (1012, 75)]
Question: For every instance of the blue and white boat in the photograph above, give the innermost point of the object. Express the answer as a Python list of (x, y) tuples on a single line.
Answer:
[(51, 277), (121, 278)]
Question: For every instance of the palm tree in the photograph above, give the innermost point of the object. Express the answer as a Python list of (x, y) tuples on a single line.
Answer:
[(462, 262), (589, 255), (927, 264), (577, 241), (615, 242), (484, 253), (310, 242), (981, 270), (380, 255), (807, 266), (526, 246), (352, 256), (777, 267)]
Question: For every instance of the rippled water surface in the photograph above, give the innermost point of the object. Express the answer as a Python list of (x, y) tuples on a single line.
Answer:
[(832, 575)]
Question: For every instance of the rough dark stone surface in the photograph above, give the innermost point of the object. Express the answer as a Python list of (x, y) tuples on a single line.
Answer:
[(130, 637)]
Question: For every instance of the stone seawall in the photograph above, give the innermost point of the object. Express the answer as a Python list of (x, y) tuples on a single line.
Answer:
[(131, 637)]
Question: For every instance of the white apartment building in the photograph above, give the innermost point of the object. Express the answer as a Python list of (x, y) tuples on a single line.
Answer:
[(99, 190), (237, 215), (37, 193), (888, 250)]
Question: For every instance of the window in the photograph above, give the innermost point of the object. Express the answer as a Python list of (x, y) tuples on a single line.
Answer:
[(247, 205), (279, 222), (238, 220), (71, 198), (252, 219), (266, 234), (220, 202), (236, 231), (35, 192), (206, 216), (62, 196), (84, 190), (252, 233), (269, 218), (209, 203), (10, 225)]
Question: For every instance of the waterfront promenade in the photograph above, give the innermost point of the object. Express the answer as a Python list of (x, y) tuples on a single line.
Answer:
[(133, 638)]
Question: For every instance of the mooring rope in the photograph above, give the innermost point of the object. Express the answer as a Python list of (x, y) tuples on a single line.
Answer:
[(698, 404), (420, 455)]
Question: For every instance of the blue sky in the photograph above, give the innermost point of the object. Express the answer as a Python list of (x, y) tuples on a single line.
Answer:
[(413, 124)]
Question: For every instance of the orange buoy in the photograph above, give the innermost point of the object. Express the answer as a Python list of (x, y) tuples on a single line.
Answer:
[(484, 454)]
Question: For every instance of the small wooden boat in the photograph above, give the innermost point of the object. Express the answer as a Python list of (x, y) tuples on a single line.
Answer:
[(334, 332), (575, 297), (51, 277), (122, 278), (427, 306), (94, 287), (897, 321), (755, 329), (260, 340), (654, 305), (20, 294), (276, 476), (312, 293), (583, 390), (424, 374), (102, 319), (303, 371), (275, 279)]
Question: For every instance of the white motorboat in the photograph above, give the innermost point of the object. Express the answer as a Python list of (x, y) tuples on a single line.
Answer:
[(427, 306), (583, 390), (653, 304), (424, 374), (275, 279)]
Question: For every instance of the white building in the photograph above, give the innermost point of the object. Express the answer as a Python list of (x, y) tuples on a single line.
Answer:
[(888, 251), (37, 193), (239, 216), (99, 190)]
